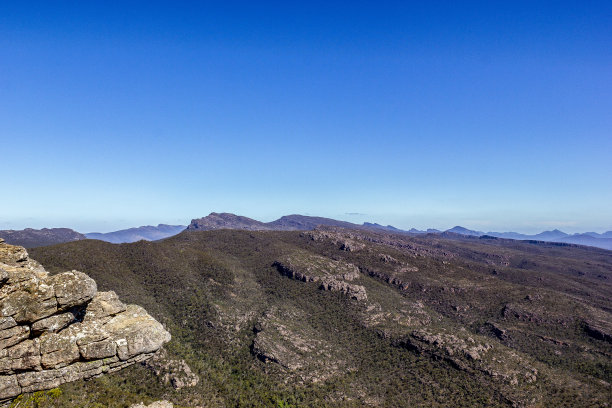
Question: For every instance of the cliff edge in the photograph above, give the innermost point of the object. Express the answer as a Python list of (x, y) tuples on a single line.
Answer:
[(57, 329)]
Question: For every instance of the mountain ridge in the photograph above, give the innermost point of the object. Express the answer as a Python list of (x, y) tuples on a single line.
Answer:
[(588, 238), (295, 222), (30, 237)]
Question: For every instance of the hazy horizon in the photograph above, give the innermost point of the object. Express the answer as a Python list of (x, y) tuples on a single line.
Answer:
[(491, 116), (103, 226)]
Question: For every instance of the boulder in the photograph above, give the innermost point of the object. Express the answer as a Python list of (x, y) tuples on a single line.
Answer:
[(73, 288)]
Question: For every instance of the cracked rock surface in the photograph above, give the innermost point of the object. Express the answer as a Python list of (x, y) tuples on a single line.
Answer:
[(57, 329)]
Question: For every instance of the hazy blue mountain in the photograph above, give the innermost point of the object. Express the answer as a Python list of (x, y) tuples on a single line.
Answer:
[(550, 235), (586, 239), (509, 235), (428, 231), (373, 225), (147, 233), (464, 231), (607, 234), (542, 236)]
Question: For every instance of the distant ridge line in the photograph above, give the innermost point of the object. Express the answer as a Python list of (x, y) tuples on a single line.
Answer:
[(295, 222)]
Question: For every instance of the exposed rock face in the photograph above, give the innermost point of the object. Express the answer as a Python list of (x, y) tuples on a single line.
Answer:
[(284, 338), (170, 371), (330, 274), (57, 329), (356, 292), (156, 404), (598, 331)]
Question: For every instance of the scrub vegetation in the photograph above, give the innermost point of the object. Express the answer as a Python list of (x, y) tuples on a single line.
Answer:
[(272, 319)]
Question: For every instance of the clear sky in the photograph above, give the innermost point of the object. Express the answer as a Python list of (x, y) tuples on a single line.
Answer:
[(492, 115)]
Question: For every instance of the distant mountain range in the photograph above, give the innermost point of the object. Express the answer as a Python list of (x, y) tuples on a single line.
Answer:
[(295, 222), (588, 238), (427, 231), (31, 238), (302, 222), (147, 233)]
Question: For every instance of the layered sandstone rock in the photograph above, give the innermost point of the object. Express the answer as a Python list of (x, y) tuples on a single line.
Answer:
[(57, 329), (331, 275), (156, 404)]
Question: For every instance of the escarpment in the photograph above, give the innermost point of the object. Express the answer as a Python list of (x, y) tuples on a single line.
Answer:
[(57, 329)]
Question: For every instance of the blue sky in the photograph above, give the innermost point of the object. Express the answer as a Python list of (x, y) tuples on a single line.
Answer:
[(491, 115)]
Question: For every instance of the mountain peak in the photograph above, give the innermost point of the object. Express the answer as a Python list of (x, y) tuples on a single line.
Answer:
[(215, 221)]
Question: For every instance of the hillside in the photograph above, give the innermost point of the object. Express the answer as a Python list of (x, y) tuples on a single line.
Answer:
[(30, 238), (350, 318)]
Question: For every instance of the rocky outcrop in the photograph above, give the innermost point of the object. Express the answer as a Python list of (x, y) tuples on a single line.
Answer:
[(171, 371), (57, 329), (356, 239), (356, 292), (331, 275), (156, 404), (285, 340), (598, 330)]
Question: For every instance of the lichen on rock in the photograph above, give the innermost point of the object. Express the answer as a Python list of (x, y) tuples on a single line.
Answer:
[(57, 329)]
